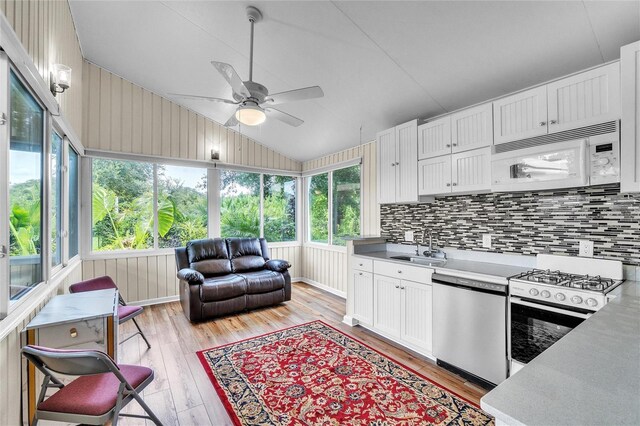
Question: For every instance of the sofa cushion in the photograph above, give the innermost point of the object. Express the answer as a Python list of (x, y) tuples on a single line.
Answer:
[(246, 254), (221, 288), (263, 281), (209, 256)]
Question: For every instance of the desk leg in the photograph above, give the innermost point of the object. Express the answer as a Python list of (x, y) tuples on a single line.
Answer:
[(111, 338), (31, 380)]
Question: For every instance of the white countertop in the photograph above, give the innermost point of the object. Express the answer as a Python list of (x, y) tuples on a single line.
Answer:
[(589, 377)]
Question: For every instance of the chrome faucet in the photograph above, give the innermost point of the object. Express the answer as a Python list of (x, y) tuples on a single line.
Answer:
[(424, 237)]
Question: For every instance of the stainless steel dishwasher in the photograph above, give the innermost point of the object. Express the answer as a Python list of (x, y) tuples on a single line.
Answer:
[(470, 327)]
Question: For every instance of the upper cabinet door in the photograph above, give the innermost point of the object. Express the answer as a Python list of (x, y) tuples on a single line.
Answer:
[(434, 175), (471, 171), (520, 116), (630, 124), (587, 98), (387, 166), (472, 128), (434, 138), (407, 162)]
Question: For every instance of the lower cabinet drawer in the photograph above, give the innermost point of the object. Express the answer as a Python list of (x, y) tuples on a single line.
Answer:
[(403, 272), (72, 334), (362, 264)]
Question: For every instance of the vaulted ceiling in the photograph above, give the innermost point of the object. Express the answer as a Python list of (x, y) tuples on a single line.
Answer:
[(379, 63)]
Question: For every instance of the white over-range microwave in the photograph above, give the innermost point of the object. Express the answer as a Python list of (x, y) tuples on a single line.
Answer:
[(592, 160)]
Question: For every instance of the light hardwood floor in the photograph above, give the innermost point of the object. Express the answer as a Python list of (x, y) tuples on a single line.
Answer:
[(182, 393)]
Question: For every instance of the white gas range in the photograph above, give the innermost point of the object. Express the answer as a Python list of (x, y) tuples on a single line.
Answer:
[(546, 303)]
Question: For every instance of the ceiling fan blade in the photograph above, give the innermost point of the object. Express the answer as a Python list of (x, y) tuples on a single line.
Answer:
[(284, 117), (230, 74), (295, 95), (205, 98), (232, 121)]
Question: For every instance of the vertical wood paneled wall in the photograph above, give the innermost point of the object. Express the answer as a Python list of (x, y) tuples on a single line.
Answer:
[(125, 118), (12, 384), (327, 266), (47, 31)]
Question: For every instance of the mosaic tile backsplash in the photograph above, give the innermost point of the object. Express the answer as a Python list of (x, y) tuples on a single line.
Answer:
[(526, 222)]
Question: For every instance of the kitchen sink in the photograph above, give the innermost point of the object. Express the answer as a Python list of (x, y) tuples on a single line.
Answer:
[(423, 260)]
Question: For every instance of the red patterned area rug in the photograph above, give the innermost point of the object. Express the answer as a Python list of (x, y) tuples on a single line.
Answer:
[(312, 374)]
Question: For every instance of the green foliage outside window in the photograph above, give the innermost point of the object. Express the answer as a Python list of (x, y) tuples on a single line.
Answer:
[(346, 204), (239, 204), (279, 208), (319, 208)]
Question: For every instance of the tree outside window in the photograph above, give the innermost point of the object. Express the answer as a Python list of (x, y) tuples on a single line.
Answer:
[(182, 205), (319, 208), (279, 208), (239, 204), (346, 204)]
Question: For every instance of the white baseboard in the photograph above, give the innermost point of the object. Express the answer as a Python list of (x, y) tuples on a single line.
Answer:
[(350, 321), (324, 287), (156, 301)]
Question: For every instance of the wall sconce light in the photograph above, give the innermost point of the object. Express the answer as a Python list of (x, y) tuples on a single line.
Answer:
[(60, 78), (215, 153)]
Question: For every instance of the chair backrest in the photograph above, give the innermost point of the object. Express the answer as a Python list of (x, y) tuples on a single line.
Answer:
[(100, 283), (247, 254), (73, 362)]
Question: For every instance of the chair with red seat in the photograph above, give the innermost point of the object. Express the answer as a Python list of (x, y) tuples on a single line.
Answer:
[(125, 312), (97, 395)]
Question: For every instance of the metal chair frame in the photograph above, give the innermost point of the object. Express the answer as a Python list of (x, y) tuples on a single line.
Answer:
[(84, 363)]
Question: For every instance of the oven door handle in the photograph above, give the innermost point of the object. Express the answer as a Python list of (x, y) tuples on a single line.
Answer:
[(519, 301)]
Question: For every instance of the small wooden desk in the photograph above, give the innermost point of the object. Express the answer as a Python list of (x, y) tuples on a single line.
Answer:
[(87, 320)]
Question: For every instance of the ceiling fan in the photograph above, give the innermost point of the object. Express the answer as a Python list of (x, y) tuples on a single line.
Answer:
[(253, 99)]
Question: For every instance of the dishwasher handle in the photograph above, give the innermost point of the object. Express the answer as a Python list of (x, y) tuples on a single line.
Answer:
[(469, 284)]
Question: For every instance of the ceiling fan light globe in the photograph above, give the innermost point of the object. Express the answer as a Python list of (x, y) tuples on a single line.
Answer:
[(250, 115)]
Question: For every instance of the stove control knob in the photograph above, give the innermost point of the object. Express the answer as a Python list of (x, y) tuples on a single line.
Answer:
[(545, 294), (533, 292), (576, 299), (592, 302), (560, 297)]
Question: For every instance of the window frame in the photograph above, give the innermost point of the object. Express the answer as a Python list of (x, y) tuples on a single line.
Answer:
[(307, 177)]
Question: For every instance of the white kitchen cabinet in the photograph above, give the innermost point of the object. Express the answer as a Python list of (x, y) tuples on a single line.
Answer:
[(363, 297), (472, 128), (584, 99), (387, 304), (386, 142), (416, 307), (434, 175), (520, 116), (630, 125), (471, 171), (468, 171), (398, 164), (434, 138)]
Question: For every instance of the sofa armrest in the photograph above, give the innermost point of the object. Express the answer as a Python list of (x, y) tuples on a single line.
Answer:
[(277, 265), (191, 276)]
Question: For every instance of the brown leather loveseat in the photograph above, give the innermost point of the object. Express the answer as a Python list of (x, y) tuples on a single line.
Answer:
[(223, 276)]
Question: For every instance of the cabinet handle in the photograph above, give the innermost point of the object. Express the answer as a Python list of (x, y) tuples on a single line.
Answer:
[(401, 288), (455, 144), (454, 184), (448, 184), (393, 164), (448, 145), (542, 123), (397, 286), (399, 271), (553, 122), (397, 164), (359, 273), (360, 264)]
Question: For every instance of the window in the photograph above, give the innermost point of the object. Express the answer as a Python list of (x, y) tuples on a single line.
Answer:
[(122, 205), (74, 202), (337, 192), (56, 199), (319, 208), (346, 204), (182, 205), (279, 207), (25, 190), (239, 204)]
